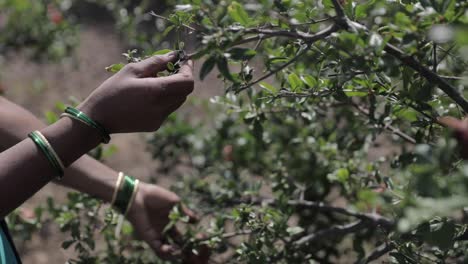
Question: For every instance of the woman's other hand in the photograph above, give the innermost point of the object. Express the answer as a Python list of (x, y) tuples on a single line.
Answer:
[(149, 216)]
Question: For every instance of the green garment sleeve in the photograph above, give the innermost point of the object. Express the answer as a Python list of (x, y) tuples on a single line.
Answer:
[(7, 254)]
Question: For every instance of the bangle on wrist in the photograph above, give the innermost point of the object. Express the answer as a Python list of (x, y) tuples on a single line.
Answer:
[(45, 147), (117, 187), (124, 194), (132, 198), (83, 118)]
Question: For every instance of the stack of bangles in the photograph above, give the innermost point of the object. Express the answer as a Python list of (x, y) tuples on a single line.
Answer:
[(126, 186), (44, 146), (125, 191)]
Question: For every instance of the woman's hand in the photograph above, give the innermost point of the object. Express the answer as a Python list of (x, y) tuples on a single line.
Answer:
[(149, 216), (134, 100)]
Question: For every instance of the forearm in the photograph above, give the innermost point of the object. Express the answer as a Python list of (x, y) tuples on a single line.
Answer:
[(24, 169), (85, 174)]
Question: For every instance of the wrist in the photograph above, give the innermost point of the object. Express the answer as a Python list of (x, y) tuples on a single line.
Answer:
[(126, 190), (71, 139), (88, 107), (138, 204)]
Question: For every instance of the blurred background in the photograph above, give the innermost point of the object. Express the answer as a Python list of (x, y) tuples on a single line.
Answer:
[(55, 52)]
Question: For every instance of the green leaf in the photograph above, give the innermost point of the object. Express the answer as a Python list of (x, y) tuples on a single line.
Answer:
[(107, 152), (362, 10), (238, 14), (268, 87), (170, 66), (161, 52), (51, 117), (342, 174), (207, 66), (327, 4), (115, 67), (60, 106), (294, 81), (168, 29), (242, 54), (352, 93), (309, 80), (294, 230), (223, 68)]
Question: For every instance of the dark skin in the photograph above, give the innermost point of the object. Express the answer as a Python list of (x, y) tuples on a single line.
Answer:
[(147, 100)]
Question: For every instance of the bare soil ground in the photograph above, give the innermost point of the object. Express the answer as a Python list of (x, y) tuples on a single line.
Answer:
[(38, 86)]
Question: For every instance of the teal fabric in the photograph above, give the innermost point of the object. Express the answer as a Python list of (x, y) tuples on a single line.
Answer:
[(7, 255)]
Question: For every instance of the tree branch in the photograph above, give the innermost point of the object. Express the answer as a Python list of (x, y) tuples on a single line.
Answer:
[(168, 20), (339, 10), (379, 251), (344, 22), (430, 76), (268, 33), (298, 55), (309, 38), (389, 127), (335, 231), (374, 218)]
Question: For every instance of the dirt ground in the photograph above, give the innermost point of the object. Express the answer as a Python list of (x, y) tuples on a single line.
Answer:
[(38, 86)]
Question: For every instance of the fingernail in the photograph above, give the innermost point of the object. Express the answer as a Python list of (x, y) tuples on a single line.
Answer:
[(171, 54)]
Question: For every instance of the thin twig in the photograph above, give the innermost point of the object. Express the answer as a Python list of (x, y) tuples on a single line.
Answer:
[(168, 20), (270, 73), (391, 128), (375, 218), (227, 235), (307, 37), (288, 33), (452, 77), (379, 251), (313, 21), (333, 232)]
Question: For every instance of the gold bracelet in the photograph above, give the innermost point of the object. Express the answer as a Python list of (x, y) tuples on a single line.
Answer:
[(117, 187), (132, 198)]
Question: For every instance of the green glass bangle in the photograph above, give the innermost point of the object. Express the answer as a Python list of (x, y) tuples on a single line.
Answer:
[(50, 154), (125, 193), (80, 116)]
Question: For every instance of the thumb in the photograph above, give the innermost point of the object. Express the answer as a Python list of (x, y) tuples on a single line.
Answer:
[(193, 218), (149, 67)]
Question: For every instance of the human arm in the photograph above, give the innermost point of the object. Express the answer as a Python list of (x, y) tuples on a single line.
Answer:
[(89, 176), (149, 101)]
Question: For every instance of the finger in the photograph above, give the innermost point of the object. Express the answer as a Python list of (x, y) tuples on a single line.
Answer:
[(201, 255), (176, 236), (181, 83), (193, 218), (151, 66), (163, 251), (186, 68), (452, 122), (154, 240)]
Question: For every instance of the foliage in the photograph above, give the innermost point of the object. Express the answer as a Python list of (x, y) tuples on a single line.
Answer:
[(327, 145), (41, 26)]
